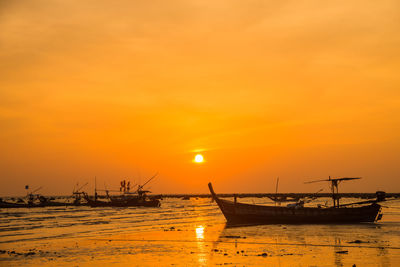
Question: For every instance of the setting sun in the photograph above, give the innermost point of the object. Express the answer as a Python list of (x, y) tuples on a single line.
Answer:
[(199, 158)]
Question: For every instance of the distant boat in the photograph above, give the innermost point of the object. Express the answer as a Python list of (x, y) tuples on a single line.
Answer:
[(282, 199), (34, 200), (5, 204), (240, 213), (42, 202), (139, 198)]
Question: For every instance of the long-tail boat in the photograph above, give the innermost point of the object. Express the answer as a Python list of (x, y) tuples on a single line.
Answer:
[(359, 212)]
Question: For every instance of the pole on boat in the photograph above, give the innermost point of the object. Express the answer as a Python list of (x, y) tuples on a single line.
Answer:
[(276, 189), (95, 188), (154, 176), (335, 184), (333, 192), (140, 187), (80, 188)]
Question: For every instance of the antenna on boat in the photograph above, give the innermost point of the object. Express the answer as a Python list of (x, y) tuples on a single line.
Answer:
[(73, 190), (34, 191), (95, 188), (105, 187), (79, 188), (335, 186), (276, 188), (148, 181)]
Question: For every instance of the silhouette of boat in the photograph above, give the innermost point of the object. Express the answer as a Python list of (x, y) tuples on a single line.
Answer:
[(34, 200), (5, 204), (131, 201), (283, 199), (38, 202), (248, 214), (139, 198)]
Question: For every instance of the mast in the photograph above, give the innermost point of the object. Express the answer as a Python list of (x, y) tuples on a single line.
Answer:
[(335, 185), (95, 188), (140, 187), (276, 190)]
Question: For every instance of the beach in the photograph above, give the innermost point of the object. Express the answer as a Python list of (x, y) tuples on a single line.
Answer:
[(188, 233)]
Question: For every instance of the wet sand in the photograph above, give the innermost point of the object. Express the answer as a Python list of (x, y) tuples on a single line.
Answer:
[(202, 245), (206, 241)]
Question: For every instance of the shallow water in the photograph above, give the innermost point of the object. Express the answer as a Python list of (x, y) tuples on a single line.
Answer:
[(191, 233)]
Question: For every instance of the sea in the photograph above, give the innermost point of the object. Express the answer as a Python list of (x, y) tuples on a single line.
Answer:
[(189, 232)]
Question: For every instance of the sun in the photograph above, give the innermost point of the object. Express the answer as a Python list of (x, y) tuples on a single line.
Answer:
[(199, 158)]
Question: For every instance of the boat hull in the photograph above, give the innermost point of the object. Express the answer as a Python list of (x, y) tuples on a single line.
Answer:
[(240, 213), (37, 205), (147, 203)]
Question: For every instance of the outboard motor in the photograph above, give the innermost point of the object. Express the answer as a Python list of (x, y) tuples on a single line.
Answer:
[(380, 196)]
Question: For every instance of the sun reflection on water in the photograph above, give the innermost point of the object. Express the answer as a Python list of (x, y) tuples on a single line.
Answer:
[(200, 232), (200, 245)]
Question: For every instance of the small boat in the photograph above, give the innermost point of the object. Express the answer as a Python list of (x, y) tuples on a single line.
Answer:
[(43, 202), (33, 200), (282, 199), (6, 204), (139, 198), (250, 214)]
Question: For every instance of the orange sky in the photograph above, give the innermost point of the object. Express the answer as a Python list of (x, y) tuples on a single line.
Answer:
[(295, 89)]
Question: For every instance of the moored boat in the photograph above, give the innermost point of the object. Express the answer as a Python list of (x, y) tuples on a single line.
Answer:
[(138, 198), (241, 213), (43, 202), (131, 201), (6, 204)]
